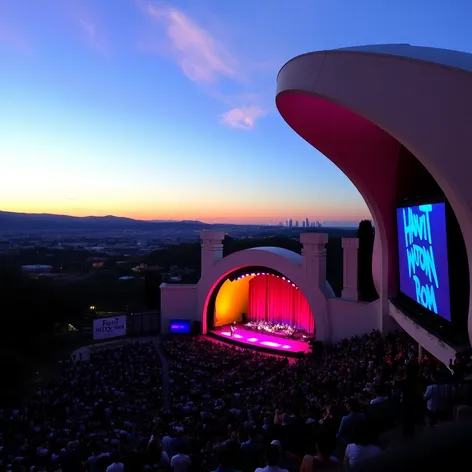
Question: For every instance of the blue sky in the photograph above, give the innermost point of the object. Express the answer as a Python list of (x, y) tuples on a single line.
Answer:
[(166, 110)]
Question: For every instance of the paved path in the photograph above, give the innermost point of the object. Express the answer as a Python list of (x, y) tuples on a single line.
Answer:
[(165, 374)]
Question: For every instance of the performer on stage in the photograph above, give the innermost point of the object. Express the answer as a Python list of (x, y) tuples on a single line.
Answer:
[(232, 328)]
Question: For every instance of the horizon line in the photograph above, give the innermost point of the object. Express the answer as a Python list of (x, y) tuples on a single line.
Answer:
[(178, 220)]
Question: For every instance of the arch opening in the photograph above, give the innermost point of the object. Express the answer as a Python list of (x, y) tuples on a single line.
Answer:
[(257, 294), (388, 175)]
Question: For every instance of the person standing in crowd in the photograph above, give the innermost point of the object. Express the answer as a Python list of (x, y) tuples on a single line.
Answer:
[(438, 397), (350, 422), (362, 447)]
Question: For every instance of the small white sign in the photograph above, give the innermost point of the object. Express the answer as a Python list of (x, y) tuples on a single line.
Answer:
[(106, 328)]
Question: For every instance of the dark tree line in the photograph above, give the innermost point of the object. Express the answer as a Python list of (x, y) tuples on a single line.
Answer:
[(366, 235)]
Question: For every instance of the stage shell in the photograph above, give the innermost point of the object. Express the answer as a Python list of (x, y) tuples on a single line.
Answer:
[(358, 106), (335, 318)]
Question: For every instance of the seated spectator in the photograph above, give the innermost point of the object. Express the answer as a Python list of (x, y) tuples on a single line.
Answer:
[(181, 461), (377, 396), (225, 458), (272, 461), (116, 465), (322, 460), (363, 445)]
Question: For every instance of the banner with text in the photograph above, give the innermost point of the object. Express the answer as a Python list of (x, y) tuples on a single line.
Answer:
[(107, 328), (422, 256)]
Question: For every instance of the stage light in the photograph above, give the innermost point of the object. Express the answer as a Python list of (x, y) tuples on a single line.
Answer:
[(238, 336), (283, 278), (293, 284), (253, 274), (270, 343), (226, 333), (252, 340), (287, 346)]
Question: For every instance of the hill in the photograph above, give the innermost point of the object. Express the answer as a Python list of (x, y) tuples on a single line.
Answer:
[(10, 221)]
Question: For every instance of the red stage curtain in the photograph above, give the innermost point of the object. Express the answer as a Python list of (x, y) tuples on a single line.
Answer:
[(273, 299)]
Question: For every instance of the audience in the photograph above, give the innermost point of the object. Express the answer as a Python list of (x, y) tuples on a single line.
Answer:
[(226, 406)]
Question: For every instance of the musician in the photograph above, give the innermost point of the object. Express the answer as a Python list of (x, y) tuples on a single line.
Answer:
[(232, 328)]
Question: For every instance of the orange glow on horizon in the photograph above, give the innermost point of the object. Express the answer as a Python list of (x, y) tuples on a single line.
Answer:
[(183, 212)]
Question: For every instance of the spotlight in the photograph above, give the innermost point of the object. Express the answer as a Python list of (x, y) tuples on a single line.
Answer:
[(283, 278), (253, 274), (294, 285)]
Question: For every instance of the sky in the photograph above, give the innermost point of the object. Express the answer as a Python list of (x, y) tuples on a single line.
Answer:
[(166, 110)]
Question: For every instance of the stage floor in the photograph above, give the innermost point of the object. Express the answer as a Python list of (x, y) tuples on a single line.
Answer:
[(262, 342)]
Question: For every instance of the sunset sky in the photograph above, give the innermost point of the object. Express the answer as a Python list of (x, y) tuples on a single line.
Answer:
[(165, 110)]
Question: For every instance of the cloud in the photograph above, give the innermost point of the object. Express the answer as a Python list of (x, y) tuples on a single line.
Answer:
[(205, 60), (243, 118), (200, 56), (12, 37), (93, 37)]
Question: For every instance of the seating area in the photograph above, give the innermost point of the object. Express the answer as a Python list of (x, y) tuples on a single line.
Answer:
[(276, 329), (224, 405)]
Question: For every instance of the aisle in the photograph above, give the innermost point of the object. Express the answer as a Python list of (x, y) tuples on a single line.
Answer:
[(165, 374)]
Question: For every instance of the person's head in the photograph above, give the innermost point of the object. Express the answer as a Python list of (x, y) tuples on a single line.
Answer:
[(365, 434), (463, 413), (224, 458), (277, 444), (272, 455), (115, 456), (325, 447), (352, 405)]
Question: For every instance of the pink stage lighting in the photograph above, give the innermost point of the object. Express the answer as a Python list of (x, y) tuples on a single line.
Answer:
[(270, 344), (237, 336), (286, 346), (226, 333), (253, 340)]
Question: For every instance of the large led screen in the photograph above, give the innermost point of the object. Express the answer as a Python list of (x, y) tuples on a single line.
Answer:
[(180, 326), (422, 253)]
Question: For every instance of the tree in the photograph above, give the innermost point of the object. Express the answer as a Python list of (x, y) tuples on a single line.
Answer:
[(366, 235)]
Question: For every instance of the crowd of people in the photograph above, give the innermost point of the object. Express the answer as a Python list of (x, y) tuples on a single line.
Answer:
[(96, 410), (228, 408)]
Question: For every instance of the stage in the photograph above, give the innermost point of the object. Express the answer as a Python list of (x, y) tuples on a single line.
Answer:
[(262, 342)]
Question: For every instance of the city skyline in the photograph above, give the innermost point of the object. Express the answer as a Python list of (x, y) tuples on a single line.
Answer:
[(161, 110)]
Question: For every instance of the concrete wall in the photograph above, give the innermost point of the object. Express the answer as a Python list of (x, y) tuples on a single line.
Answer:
[(351, 318), (358, 106), (178, 302)]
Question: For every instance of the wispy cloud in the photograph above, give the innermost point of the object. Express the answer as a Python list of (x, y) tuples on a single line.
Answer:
[(243, 118), (200, 56), (14, 38), (204, 59), (91, 34)]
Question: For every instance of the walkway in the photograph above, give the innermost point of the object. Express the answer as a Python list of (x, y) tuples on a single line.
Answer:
[(165, 374)]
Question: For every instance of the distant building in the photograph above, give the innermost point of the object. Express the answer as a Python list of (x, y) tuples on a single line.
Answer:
[(36, 269)]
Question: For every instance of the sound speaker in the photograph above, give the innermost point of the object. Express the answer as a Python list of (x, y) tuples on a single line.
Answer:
[(196, 328), (317, 349)]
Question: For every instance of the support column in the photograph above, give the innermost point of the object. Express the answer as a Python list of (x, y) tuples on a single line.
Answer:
[(314, 257), (420, 353), (212, 249), (350, 273)]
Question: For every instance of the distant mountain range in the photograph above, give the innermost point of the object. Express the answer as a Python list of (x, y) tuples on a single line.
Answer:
[(10, 221)]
